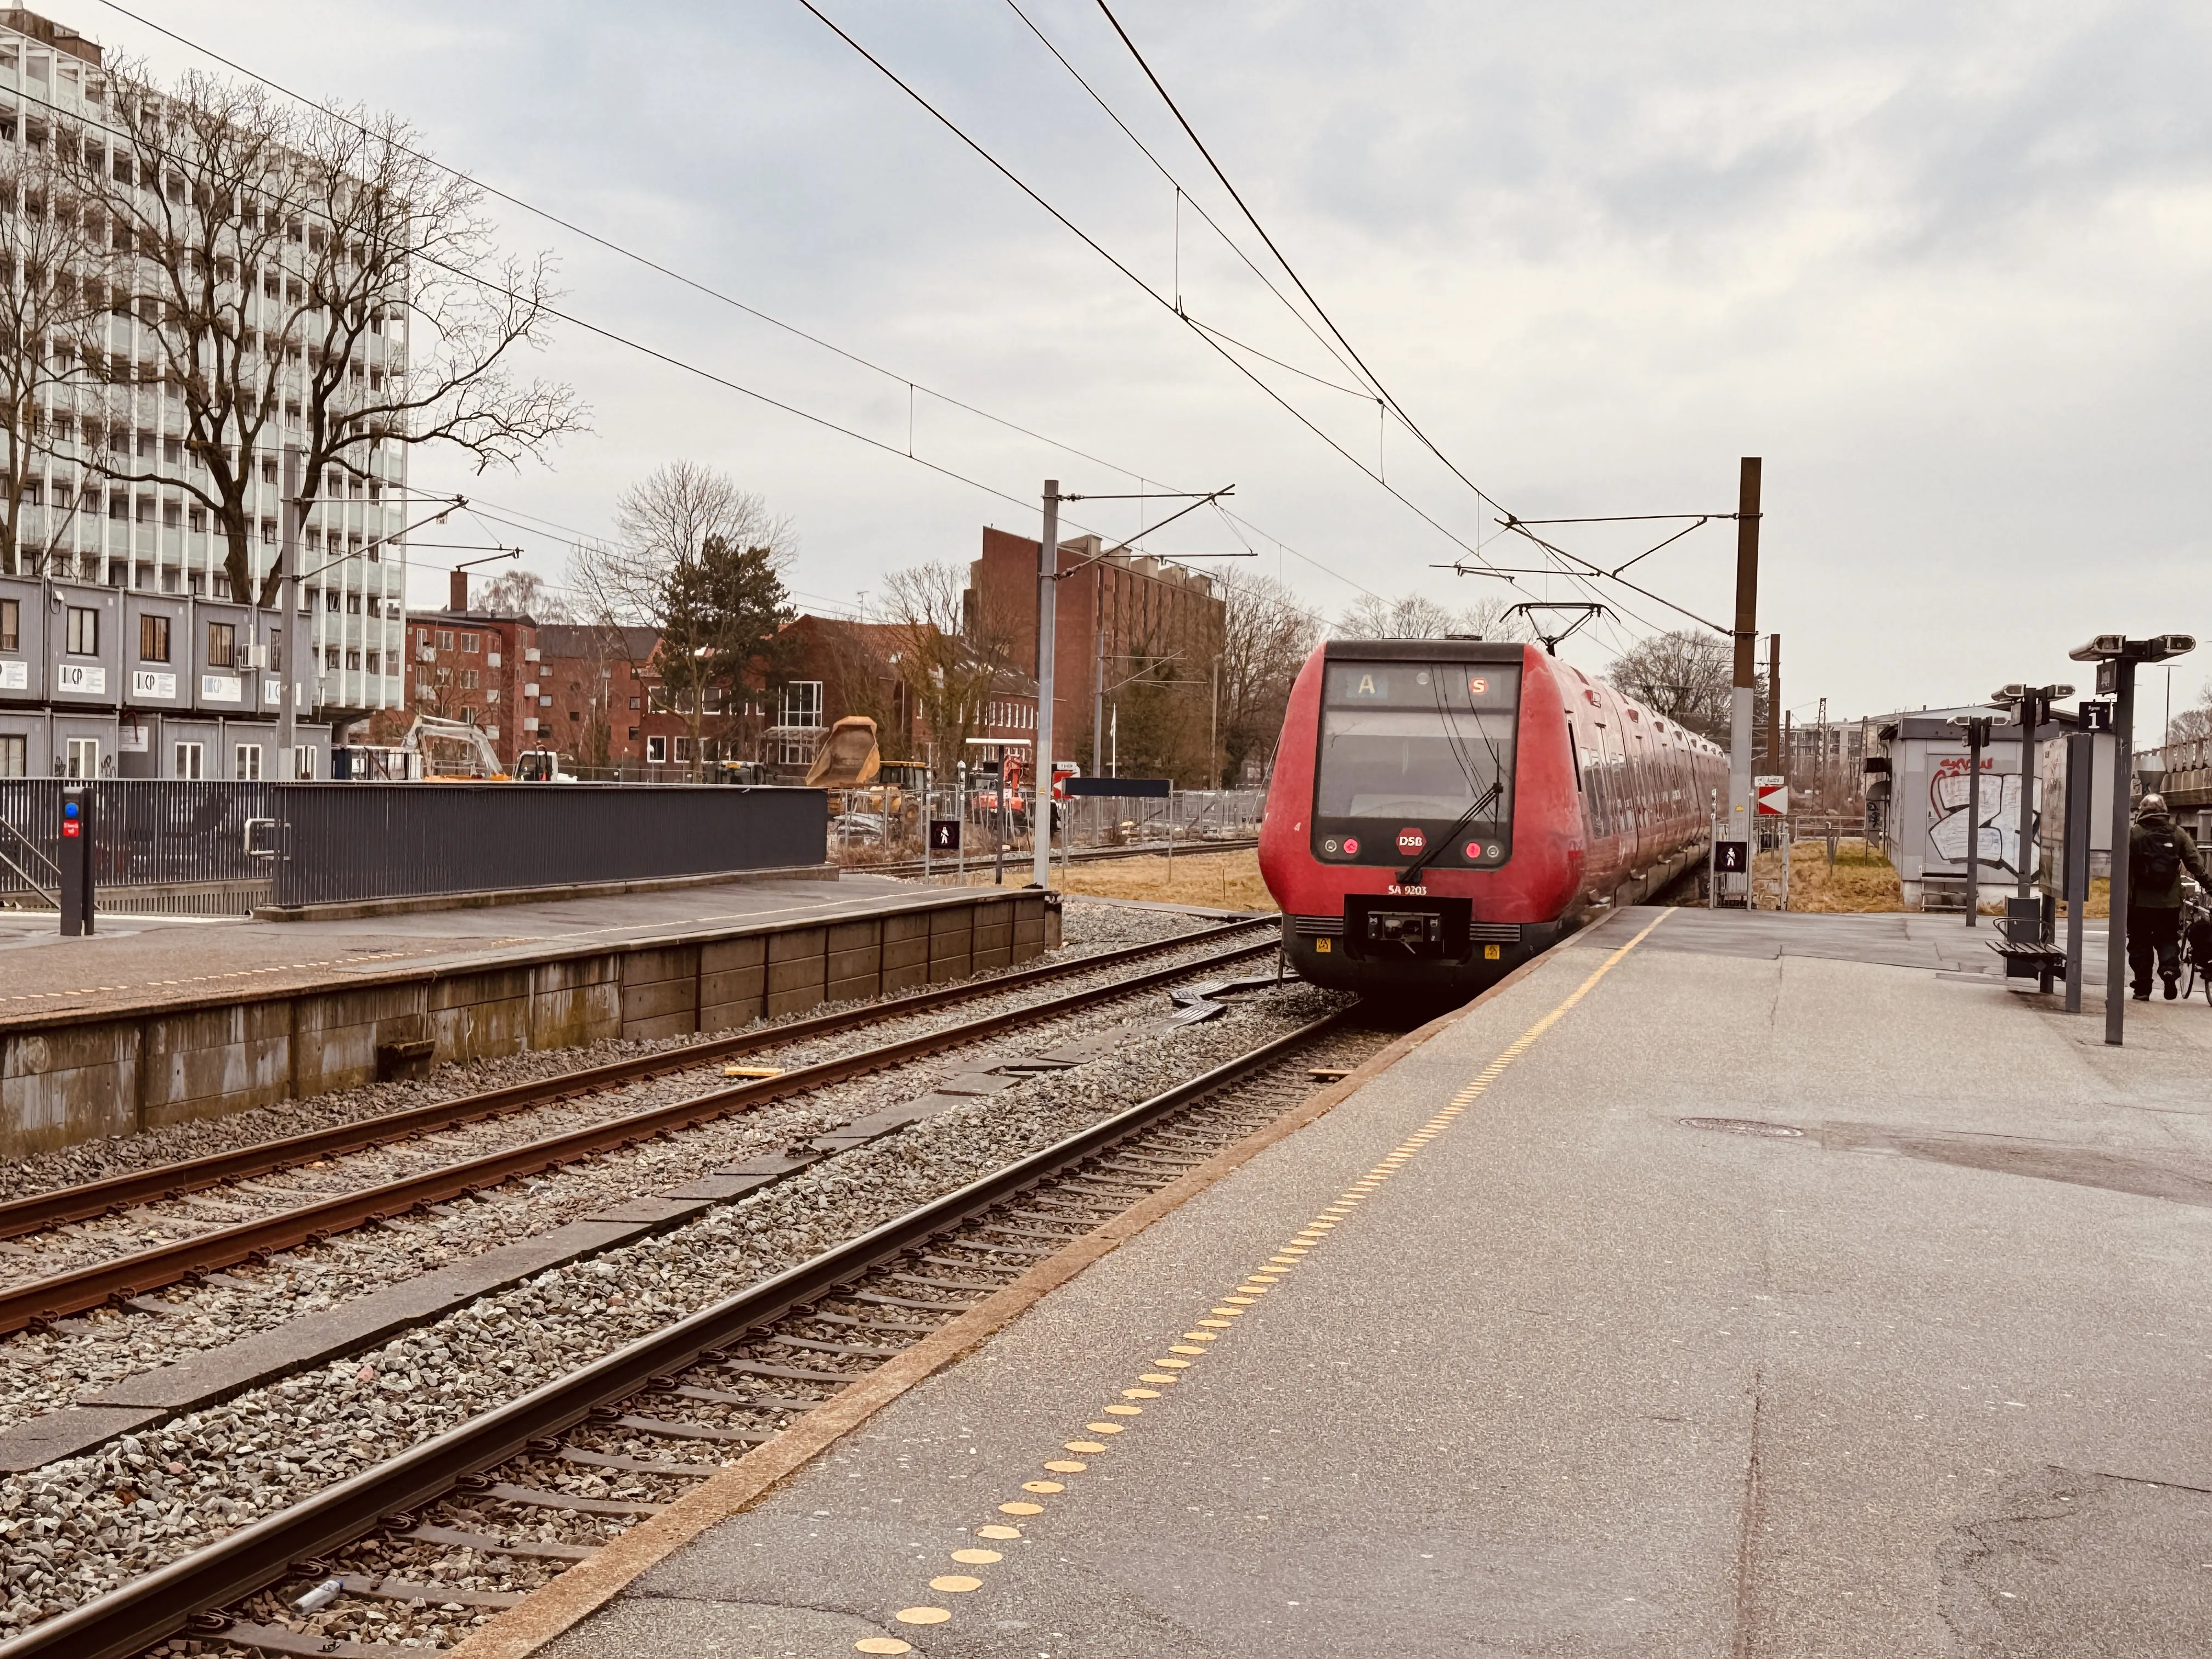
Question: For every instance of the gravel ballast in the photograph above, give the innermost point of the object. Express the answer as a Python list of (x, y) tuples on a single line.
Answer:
[(84, 1525)]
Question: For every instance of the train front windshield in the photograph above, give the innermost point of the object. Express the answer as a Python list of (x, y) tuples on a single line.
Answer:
[(1414, 756)]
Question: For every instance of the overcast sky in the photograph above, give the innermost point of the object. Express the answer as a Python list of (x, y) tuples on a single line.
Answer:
[(1944, 268)]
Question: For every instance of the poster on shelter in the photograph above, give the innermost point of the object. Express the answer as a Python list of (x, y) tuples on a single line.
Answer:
[(1999, 845)]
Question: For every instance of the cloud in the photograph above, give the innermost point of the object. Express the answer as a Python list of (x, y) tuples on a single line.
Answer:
[(1943, 267)]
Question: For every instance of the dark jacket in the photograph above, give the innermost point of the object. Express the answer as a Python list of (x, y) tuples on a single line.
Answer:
[(2151, 833)]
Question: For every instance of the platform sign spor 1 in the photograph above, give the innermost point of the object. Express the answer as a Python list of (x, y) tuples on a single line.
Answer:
[(1772, 795)]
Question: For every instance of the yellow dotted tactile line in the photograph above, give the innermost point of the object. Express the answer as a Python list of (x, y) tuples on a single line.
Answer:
[(1222, 1318)]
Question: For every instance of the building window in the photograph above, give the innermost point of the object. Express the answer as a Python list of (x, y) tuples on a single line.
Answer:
[(468, 679), (353, 659), (303, 762), (444, 639), (190, 759), (472, 643), (248, 762), (683, 748), (83, 633), (11, 624), (14, 757), (223, 645), (329, 656), (153, 638), (376, 662), (83, 758), (802, 703), (656, 749)]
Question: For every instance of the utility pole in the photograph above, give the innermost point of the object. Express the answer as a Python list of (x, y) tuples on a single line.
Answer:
[(1775, 762), (1746, 642), (1099, 674), (1048, 597), (288, 643)]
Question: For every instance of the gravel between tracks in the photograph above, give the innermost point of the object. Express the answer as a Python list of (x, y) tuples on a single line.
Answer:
[(79, 1526), (42, 1370)]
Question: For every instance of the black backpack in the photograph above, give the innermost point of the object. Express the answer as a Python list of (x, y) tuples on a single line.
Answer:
[(2157, 863)]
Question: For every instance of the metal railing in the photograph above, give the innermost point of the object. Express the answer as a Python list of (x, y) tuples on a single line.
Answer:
[(157, 844), (337, 842)]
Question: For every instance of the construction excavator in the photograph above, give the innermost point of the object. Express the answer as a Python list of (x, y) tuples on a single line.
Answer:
[(450, 751)]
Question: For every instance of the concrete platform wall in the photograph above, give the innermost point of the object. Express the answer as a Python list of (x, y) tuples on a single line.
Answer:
[(66, 1081)]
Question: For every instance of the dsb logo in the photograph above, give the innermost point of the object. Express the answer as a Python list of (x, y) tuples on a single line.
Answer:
[(1411, 841)]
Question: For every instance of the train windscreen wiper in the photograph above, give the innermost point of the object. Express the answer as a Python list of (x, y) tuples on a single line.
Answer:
[(1412, 873)]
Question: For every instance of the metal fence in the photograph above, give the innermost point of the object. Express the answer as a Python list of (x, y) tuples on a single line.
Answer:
[(340, 841), (157, 845)]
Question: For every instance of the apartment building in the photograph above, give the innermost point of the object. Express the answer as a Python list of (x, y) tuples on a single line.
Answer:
[(596, 680), (154, 537), (1117, 612), (477, 667)]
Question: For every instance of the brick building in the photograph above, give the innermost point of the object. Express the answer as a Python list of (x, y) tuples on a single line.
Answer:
[(476, 667), (594, 680), (1125, 611)]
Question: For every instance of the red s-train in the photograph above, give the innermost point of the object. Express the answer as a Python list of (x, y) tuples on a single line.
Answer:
[(1442, 810)]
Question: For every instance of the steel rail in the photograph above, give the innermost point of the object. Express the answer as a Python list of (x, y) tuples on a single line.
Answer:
[(126, 1276), (91, 1199), (128, 1619)]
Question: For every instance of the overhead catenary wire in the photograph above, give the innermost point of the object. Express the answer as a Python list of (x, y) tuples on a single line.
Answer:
[(913, 385), (1163, 302), (1383, 392), (612, 245)]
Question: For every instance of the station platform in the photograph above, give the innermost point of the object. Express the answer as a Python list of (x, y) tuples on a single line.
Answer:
[(1718, 1286), (156, 1020)]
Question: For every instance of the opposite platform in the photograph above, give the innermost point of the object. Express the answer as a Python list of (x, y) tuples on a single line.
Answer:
[(1750, 1304), (177, 1019)]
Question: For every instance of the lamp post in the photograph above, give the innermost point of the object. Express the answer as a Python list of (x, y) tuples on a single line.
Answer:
[(2117, 658)]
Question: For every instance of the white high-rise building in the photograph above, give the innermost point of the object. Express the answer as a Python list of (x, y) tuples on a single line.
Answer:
[(155, 537)]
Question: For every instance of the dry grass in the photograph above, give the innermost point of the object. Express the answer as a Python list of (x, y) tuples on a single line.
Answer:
[(1862, 882), (1229, 880)]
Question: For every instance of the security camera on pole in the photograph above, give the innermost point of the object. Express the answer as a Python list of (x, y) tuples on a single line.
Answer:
[(2116, 656)]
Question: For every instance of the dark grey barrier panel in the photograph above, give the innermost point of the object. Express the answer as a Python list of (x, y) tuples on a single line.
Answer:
[(339, 841)]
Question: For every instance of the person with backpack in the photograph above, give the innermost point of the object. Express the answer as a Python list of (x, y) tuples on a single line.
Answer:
[(2158, 849)]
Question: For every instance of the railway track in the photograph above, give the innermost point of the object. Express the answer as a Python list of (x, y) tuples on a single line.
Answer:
[(423, 1546), (981, 859), (123, 1278)]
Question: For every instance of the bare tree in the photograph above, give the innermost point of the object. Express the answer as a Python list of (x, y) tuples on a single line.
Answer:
[(1266, 639), (2193, 722), (311, 279), (524, 593), (950, 659), (54, 265), (663, 521), (1686, 675)]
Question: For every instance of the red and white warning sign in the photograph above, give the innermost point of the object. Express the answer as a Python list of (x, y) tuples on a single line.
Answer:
[(1773, 797)]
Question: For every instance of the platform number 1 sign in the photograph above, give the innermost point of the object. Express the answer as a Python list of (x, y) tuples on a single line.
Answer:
[(945, 834)]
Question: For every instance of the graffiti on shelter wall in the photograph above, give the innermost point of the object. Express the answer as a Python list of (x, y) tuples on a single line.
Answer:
[(1998, 843)]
